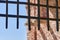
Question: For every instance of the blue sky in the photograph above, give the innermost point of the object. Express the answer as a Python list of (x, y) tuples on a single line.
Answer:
[(12, 33)]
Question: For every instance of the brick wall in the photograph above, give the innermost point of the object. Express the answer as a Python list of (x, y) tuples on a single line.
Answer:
[(43, 33)]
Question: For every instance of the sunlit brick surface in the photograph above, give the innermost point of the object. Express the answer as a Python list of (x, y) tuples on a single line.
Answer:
[(43, 33)]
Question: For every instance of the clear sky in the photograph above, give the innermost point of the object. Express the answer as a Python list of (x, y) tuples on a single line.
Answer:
[(12, 33)]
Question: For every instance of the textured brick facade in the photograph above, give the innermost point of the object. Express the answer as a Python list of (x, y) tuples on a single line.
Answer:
[(43, 33)]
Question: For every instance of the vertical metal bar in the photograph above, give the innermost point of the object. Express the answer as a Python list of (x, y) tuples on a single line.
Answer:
[(6, 14), (47, 15), (29, 15), (17, 14), (57, 15), (38, 14)]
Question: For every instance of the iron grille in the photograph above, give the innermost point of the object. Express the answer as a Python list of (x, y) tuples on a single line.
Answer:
[(30, 17)]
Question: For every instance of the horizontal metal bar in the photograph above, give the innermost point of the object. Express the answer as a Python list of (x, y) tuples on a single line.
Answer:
[(25, 3), (21, 16)]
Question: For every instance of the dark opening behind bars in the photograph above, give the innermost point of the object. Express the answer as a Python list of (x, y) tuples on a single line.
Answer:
[(30, 17)]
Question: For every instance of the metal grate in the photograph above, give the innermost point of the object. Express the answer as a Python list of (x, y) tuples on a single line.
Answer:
[(30, 17)]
